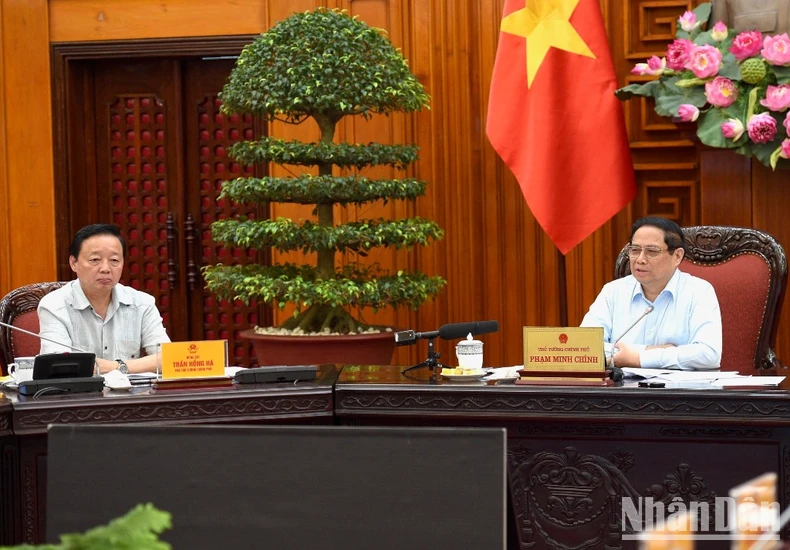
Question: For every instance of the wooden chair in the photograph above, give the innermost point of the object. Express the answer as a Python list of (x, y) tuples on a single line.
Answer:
[(18, 308), (748, 269)]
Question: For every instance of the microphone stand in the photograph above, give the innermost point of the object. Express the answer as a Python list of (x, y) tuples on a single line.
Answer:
[(73, 348), (432, 360)]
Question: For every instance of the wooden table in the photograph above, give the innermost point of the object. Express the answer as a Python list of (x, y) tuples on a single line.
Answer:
[(575, 453), (24, 421)]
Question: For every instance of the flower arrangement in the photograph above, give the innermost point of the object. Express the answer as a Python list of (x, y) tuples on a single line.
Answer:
[(735, 86)]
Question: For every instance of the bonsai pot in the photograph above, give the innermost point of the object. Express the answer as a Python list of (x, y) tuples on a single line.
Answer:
[(359, 349)]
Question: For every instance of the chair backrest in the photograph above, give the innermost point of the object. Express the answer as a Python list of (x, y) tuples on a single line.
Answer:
[(748, 270), (18, 308)]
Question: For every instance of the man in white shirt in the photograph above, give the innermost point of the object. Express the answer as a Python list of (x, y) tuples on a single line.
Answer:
[(97, 314), (683, 330)]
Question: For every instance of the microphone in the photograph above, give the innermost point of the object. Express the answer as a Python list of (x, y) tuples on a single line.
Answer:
[(409, 337), (648, 310), (73, 348), (447, 332), (616, 372), (460, 330)]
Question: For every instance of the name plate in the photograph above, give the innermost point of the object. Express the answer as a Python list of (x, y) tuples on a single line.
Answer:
[(562, 349), (200, 359)]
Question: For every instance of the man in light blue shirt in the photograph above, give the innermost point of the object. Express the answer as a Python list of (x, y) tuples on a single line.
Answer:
[(683, 330)]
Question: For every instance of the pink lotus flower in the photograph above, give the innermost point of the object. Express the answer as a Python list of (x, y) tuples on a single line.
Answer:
[(777, 98), (785, 149), (704, 61), (688, 113), (761, 128), (678, 54), (732, 129), (786, 123), (721, 92), (719, 31), (655, 66), (688, 21), (776, 50), (746, 44)]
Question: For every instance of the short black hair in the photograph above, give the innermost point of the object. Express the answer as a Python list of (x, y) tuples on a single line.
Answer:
[(91, 231), (673, 234)]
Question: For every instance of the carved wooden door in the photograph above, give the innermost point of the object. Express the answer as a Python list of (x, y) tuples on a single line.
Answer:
[(152, 160)]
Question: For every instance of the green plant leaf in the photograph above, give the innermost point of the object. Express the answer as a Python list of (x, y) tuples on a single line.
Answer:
[(709, 130), (667, 103), (730, 68), (647, 89), (702, 12), (763, 152), (782, 74)]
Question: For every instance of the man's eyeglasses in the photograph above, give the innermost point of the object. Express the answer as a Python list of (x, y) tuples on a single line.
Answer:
[(651, 252)]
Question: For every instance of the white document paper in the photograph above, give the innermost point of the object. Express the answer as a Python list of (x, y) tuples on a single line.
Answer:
[(636, 372), (697, 375), (504, 373), (750, 381)]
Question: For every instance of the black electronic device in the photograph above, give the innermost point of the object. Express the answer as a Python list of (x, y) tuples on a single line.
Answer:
[(277, 491), (62, 373), (55, 366), (264, 375), (61, 385)]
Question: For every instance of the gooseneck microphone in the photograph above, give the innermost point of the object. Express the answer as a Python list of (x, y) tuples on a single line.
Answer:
[(647, 311), (74, 348)]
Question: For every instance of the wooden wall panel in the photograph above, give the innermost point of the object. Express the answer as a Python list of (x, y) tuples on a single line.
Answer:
[(81, 20), (5, 236), (498, 262), (27, 233)]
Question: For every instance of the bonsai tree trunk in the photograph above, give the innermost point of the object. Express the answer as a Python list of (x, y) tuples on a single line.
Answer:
[(326, 258)]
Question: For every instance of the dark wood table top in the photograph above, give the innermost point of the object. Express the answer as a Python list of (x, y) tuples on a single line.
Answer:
[(236, 403), (362, 390)]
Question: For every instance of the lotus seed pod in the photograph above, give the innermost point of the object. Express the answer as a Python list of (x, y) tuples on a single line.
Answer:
[(753, 70)]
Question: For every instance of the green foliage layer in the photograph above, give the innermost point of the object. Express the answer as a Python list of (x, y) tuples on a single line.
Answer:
[(321, 62), (137, 530), (308, 189), (269, 149), (286, 235), (353, 286)]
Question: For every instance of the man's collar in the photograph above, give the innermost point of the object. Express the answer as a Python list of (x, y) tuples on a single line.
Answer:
[(671, 287), (80, 301), (120, 294)]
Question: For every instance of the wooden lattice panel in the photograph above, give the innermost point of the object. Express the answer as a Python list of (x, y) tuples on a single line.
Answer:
[(138, 172), (651, 25), (221, 318), (675, 200)]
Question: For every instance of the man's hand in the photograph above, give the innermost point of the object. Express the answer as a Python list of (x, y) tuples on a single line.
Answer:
[(626, 356), (106, 365)]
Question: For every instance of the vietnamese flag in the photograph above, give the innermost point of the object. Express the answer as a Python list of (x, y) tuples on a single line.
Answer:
[(554, 119)]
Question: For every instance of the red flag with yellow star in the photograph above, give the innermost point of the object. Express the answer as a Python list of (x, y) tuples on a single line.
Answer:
[(554, 119)]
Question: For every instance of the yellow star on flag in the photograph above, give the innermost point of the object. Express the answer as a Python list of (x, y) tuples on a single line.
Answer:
[(545, 24)]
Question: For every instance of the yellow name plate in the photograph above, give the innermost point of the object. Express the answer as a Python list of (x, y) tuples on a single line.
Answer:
[(201, 359), (563, 349)]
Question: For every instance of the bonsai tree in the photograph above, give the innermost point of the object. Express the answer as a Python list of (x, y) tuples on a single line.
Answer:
[(322, 65)]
